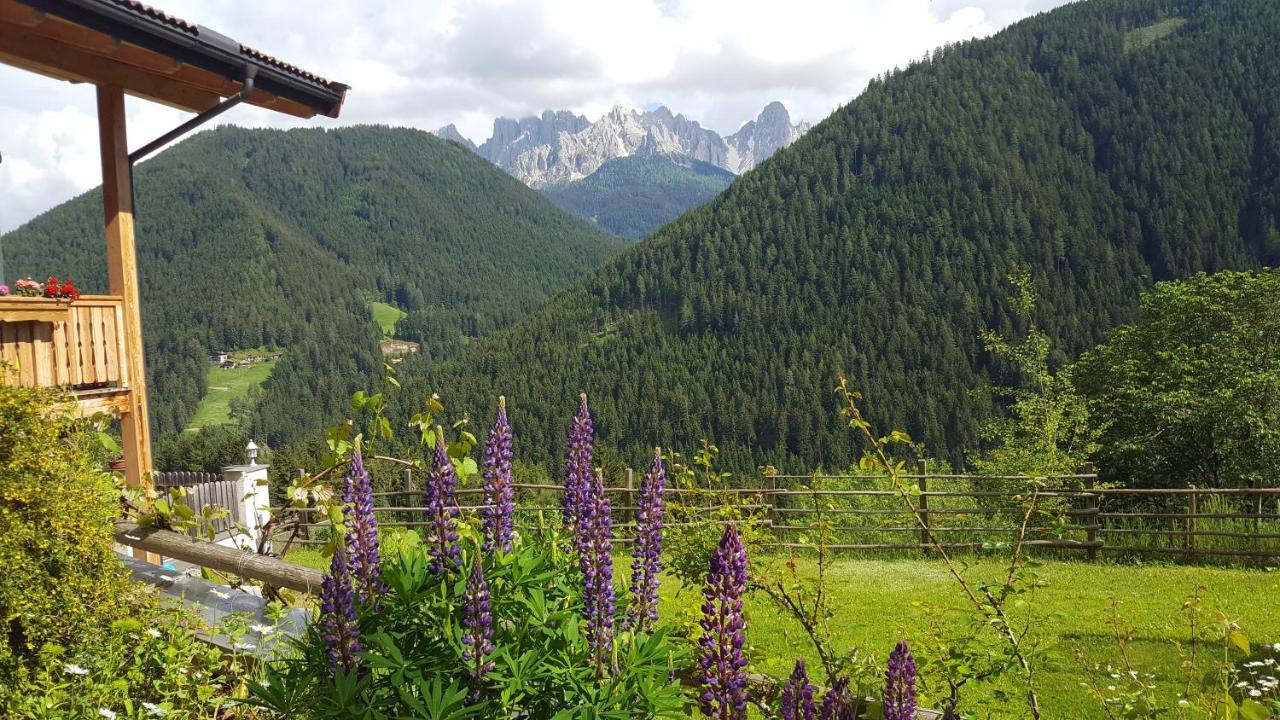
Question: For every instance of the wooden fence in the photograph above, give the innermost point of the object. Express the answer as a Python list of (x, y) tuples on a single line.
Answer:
[(1071, 515), (208, 489)]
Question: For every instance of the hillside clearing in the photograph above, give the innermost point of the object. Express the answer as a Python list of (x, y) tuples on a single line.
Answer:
[(222, 386), (386, 316)]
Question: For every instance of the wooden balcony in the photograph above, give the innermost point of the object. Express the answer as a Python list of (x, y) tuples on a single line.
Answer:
[(76, 345)]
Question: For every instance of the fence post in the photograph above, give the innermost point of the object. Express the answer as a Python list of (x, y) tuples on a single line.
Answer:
[(1256, 485), (922, 467), (304, 518), (631, 498), (1193, 509), (408, 499), (1095, 509)]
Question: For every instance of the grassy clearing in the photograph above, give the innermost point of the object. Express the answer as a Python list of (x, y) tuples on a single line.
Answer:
[(224, 385), (1145, 37), (386, 316), (877, 601)]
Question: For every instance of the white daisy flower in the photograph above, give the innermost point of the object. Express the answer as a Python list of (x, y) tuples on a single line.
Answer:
[(155, 709), (1255, 693), (262, 629), (73, 669), (153, 632), (108, 714), (244, 646)]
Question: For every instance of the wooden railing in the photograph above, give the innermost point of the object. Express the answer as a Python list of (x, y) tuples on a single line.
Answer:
[(78, 345)]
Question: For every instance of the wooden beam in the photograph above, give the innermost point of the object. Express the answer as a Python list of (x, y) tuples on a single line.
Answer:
[(122, 276), (241, 563), (29, 50)]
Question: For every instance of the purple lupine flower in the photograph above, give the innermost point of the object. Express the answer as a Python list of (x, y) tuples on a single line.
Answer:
[(724, 677), (900, 684), (361, 530), (499, 493), (440, 496), (837, 703), (478, 621), (646, 556), (595, 556), (797, 695), (338, 616), (578, 464)]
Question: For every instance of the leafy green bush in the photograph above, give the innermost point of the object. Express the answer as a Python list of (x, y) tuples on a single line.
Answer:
[(61, 581), (149, 666), (412, 663)]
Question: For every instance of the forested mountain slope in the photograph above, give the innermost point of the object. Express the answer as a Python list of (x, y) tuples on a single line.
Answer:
[(1103, 146), (633, 196), (262, 237)]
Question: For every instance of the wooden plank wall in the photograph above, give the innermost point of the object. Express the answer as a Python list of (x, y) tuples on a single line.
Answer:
[(85, 349)]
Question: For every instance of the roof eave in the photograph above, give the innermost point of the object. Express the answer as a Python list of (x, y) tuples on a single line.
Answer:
[(199, 47)]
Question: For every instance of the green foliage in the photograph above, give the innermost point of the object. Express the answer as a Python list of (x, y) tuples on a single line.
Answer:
[(634, 196), (251, 238), (149, 665), (413, 649), (1189, 393), (1047, 429), (205, 451), (61, 580), (878, 243)]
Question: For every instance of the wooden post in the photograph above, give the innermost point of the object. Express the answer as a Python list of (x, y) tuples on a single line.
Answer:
[(122, 276), (922, 467), (408, 499), (1095, 508), (631, 497), (122, 280), (1193, 505), (305, 518)]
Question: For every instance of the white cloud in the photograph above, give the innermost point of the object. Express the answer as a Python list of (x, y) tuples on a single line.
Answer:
[(425, 63)]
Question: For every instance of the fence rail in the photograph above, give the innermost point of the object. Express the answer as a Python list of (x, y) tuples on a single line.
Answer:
[(1072, 515)]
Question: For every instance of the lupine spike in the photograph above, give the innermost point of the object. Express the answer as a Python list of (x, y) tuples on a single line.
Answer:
[(440, 497), (361, 530), (478, 621), (578, 464), (646, 557), (900, 684), (837, 704), (595, 557), (724, 677), (499, 492), (338, 619), (797, 695)]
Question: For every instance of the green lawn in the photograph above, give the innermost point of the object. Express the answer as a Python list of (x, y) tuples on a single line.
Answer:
[(386, 316), (877, 601), (224, 385)]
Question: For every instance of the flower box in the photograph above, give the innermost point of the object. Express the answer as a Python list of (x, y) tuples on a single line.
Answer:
[(37, 309)]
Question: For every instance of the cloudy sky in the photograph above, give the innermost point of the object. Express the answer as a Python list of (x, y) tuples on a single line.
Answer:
[(425, 63)]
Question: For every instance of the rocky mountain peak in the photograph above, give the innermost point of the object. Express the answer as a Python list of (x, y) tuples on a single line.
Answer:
[(559, 146)]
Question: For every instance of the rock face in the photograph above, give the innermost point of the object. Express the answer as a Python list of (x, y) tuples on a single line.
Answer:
[(560, 147), (758, 139)]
